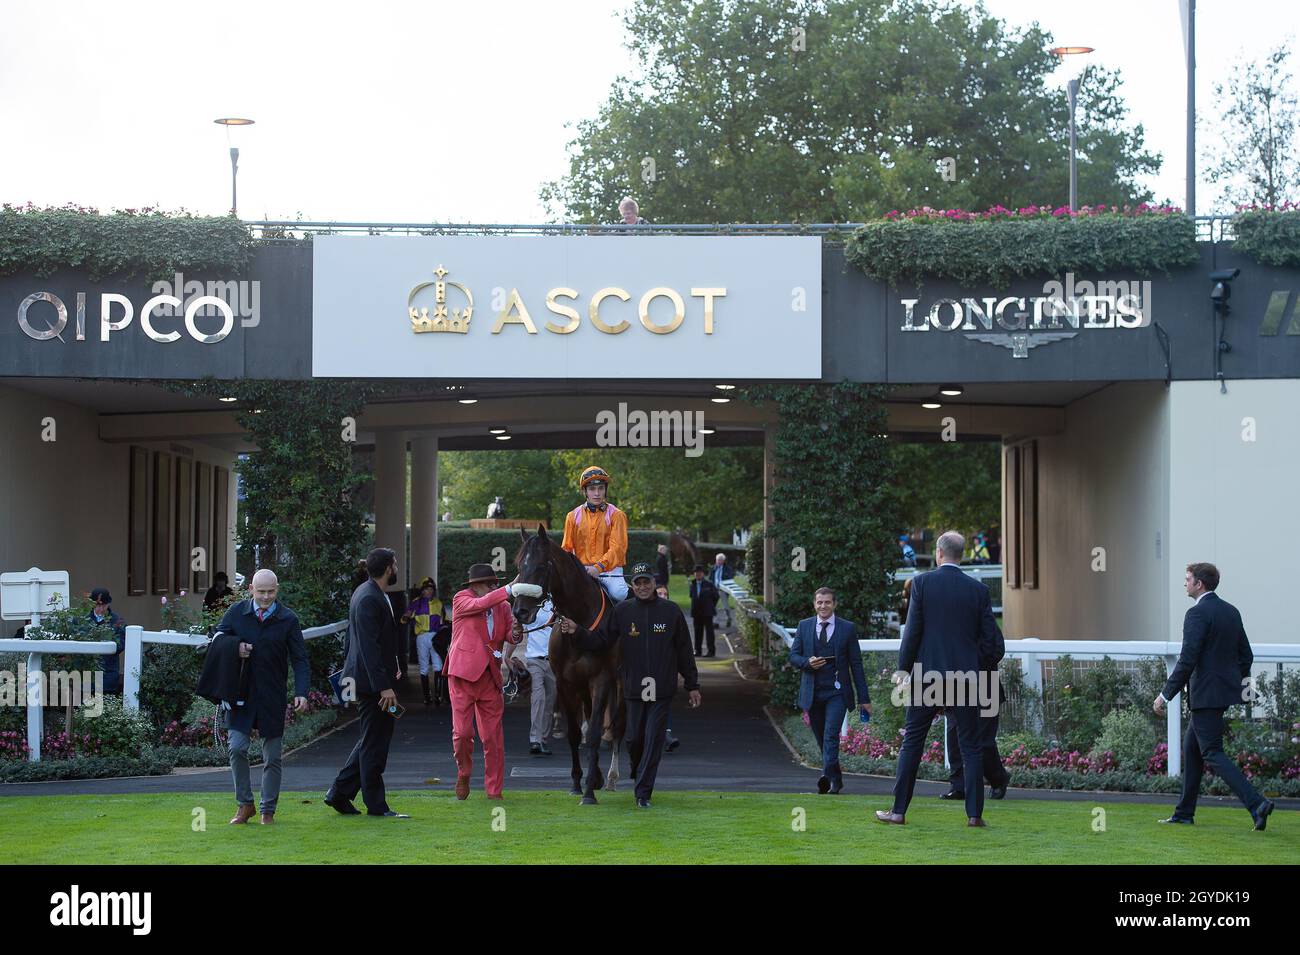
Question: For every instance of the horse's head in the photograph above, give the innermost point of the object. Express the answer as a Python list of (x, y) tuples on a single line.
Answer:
[(534, 564)]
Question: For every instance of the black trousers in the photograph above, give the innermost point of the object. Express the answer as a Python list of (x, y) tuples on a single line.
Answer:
[(825, 718), (994, 772), (1203, 743), (647, 727), (916, 727), (704, 629), (364, 770)]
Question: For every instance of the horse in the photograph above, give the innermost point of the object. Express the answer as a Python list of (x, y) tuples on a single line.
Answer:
[(683, 552), (587, 682)]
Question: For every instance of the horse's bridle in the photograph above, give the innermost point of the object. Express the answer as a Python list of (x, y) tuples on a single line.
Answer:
[(546, 595)]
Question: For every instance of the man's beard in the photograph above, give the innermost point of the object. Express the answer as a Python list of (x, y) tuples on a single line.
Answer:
[(392, 577)]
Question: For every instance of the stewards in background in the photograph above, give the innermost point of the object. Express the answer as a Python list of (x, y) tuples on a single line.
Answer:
[(662, 569), (370, 669), (655, 646), (825, 648), (704, 602), (535, 660), (218, 592), (102, 615), (270, 637), (1214, 667)]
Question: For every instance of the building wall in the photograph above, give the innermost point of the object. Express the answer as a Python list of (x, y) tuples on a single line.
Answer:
[(1235, 502), (65, 502), (1102, 483)]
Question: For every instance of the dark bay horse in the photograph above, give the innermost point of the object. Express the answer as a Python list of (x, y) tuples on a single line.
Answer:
[(587, 683)]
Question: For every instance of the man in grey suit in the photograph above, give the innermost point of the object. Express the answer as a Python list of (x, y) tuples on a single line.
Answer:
[(370, 669), (1214, 665), (950, 637), (825, 648)]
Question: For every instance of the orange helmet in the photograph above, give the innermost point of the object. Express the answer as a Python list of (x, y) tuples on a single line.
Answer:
[(592, 474)]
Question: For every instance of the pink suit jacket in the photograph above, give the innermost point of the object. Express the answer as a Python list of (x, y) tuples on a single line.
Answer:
[(469, 655)]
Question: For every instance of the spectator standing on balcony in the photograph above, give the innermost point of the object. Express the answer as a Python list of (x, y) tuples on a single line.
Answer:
[(628, 212)]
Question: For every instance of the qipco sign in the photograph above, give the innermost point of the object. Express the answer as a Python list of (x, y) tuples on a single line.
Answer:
[(117, 312)]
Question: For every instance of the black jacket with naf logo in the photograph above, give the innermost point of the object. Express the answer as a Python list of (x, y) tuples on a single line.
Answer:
[(654, 643)]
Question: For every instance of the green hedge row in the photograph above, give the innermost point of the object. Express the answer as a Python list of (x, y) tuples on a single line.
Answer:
[(149, 763), (1269, 237), (992, 252), (124, 242)]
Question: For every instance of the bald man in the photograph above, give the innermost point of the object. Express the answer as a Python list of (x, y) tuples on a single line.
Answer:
[(269, 637)]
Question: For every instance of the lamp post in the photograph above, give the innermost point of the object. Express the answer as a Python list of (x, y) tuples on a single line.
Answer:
[(1072, 88), (228, 121)]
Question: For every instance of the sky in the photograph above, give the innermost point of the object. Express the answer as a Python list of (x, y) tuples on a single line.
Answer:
[(418, 112)]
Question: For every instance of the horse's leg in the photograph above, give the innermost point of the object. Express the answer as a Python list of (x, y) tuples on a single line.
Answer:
[(595, 722), (569, 706), (618, 729)]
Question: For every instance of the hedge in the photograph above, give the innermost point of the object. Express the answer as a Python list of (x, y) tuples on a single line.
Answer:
[(149, 763), (1269, 236)]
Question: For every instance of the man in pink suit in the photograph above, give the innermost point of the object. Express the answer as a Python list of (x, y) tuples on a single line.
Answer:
[(480, 624)]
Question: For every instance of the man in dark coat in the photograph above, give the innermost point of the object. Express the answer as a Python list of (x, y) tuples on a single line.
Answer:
[(704, 601), (102, 615), (1214, 665), (369, 671), (655, 646), (270, 636)]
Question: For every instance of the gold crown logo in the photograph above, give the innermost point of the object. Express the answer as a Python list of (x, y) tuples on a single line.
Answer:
[(457, 320)]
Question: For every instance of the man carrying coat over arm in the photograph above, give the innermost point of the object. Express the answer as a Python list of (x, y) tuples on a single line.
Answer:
[(270, 636), (825, 648), (655, 645)]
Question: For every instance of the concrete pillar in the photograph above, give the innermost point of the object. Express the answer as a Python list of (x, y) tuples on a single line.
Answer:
[(769, 484), (424, 507), (390, 498)]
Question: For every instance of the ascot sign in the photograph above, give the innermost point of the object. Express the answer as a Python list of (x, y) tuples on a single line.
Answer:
[(577, 307)]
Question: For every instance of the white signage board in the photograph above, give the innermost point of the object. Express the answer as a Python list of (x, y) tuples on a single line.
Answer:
[(614, 306), (26, 594)]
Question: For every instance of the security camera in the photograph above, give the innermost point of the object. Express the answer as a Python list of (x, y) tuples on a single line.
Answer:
[(1221, 292), (1224, 275)]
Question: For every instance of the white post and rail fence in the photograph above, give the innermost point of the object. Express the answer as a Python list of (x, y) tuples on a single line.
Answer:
[(1031, 652)]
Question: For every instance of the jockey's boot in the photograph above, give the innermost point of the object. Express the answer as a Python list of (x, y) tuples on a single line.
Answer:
[(424, 685)]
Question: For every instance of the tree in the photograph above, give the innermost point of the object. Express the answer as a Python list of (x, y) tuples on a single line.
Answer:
[(1255, 160), (950, 486), (840, 110), (472, 479)]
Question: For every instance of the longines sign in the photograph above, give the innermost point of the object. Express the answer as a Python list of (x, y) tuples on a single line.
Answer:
[(566, 307)]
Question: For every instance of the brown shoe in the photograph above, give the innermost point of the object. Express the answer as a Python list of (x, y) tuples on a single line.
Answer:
[(268, 818), (976, 822), (462, 787), (244, 814), (891, 818)]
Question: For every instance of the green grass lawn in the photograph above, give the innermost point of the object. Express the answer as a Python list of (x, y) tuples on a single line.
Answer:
[(683, 827)]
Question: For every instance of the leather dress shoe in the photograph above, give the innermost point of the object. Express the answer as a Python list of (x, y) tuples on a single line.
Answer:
[(342, 806), (1176, 821), (823, 784), (890, 818), (534, 749), (388, 814), (243, 814), (268, 818), (1261, 817), (999, 792), (673, 743), (953, 794), (545, 750), (837, 787), (642, 803), (462, 787), (975, 822)]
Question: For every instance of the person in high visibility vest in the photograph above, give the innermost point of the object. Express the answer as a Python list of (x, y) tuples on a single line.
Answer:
[(980, 552), (596, 533)]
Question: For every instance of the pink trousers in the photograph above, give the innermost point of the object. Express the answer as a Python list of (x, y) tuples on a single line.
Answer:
[(478, 702)]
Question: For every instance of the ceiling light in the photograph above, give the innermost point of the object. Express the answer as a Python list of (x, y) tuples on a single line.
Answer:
[(725, 387), (467, 401), (504, 437), (931, 405), (706, 431), (496, 430), (719, 401), (952, 391), (227, 399)]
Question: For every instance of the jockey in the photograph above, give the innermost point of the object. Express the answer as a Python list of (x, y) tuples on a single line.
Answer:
[(596, 533)]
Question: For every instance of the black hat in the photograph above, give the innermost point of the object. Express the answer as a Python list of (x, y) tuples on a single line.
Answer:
[(642, 570), (481, 572), (101, 594), (700, 567)]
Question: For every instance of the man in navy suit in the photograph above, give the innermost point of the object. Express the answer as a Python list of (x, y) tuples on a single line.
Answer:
[(950, 637), (826, 649), (1214, 665)]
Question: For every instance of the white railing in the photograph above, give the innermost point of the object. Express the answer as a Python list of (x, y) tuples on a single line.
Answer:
[(36, 678), (136, 638), (1032, 651), (980, 572)]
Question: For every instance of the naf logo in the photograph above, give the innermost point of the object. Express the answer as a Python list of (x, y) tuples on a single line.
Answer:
[(661, 628)]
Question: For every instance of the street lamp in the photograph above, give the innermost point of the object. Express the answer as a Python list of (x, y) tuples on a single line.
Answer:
[(228, 121), (1073, 89)]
